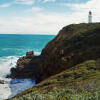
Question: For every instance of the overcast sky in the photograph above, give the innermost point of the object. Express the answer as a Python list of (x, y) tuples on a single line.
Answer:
[(44, 16)]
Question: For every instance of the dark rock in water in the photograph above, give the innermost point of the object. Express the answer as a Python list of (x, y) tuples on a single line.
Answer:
[(2, 81), (74, 44), (29, 54)]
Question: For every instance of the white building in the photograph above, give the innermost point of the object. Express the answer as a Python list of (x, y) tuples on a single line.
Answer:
[(90, 17)]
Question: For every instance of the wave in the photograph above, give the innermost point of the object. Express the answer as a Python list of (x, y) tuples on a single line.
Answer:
[(11, 86), (5, 49), (37, 53), (6, 63)]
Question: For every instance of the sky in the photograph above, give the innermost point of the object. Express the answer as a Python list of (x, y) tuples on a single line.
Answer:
[(44, 16)]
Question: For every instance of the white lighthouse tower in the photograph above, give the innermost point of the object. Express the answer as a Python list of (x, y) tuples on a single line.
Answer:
[(90, 17)]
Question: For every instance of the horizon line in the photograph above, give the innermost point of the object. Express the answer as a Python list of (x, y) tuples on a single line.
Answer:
[(24, 34)]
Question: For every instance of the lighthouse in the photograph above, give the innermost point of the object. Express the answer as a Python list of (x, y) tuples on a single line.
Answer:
[(90, 17)]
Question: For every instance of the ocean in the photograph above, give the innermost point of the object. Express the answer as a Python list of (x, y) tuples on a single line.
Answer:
[(13, 46)]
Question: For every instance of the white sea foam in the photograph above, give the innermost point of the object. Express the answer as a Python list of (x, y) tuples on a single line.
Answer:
[(6, 63), (37, 53), (11, 86)]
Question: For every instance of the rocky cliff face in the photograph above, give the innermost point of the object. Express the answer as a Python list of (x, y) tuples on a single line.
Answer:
[(26, 67), (73, 44)]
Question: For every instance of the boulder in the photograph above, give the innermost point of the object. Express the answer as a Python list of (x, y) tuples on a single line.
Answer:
[(29, 54)]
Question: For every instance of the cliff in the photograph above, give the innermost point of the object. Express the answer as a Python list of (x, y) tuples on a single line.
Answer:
[(74, 44), (68, 67)]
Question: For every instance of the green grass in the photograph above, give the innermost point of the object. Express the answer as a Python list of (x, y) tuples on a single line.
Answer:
[(64, 94)]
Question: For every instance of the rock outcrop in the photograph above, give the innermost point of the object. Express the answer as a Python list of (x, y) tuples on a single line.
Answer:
[(27, 66), (29, 54), (74, 44)]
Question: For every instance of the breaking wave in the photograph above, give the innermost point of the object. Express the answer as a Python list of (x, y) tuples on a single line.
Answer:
[(11, 86)]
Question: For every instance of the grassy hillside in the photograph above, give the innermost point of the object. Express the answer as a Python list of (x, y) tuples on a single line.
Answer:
[(81, 82)]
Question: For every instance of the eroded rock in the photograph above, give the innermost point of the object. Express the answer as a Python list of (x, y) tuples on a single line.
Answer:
[(29, 54)]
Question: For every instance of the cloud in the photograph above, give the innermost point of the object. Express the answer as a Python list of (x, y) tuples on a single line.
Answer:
[(50, 23), (81, 10), (38, 24), (44, 1), (93, 5), (49, 0), (26, 2), (35, 9), (5, 5)]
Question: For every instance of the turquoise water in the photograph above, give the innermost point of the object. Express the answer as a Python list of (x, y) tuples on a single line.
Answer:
[(17, 45), (11, 48)]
